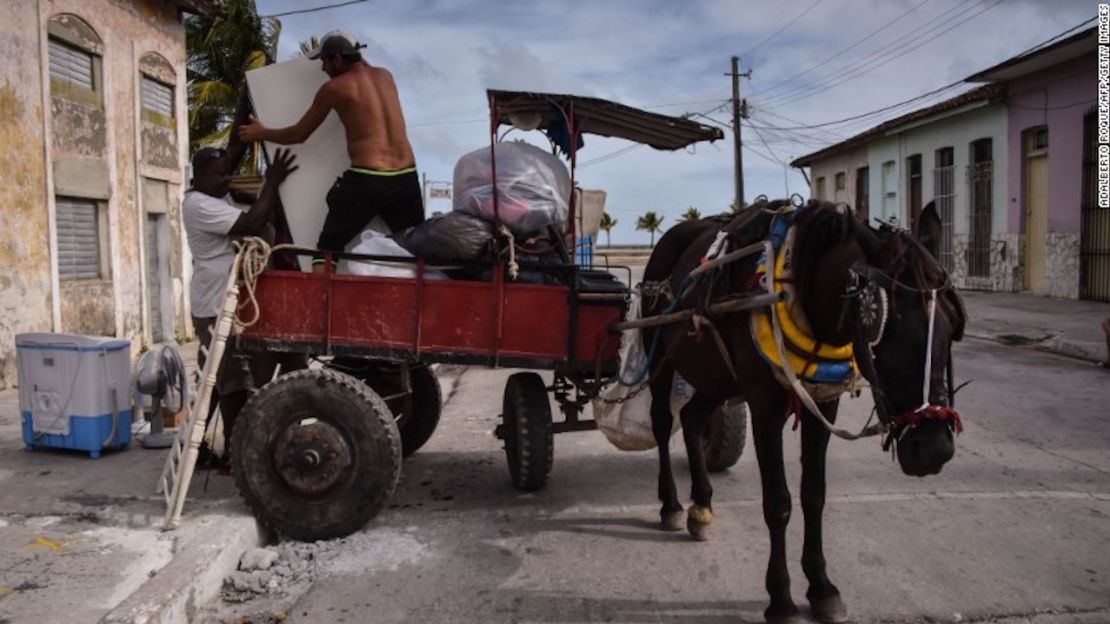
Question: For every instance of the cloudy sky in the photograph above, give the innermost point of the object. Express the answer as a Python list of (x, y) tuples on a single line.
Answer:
[(812, 61)]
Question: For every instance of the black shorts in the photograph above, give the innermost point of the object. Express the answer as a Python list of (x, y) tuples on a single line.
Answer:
[(360, 195)]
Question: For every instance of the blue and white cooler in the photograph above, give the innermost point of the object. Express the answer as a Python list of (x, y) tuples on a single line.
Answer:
[(74, 391)]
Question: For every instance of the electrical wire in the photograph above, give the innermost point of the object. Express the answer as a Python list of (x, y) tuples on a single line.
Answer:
[(883, 57), (838, 53), (784, 27), (315, 9)]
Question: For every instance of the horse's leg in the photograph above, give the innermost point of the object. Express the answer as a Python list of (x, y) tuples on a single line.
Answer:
[(662, 423), (824, 597), (767, 422), (695, 416)]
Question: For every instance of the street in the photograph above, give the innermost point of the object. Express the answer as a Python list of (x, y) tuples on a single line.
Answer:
[(1015, 529)]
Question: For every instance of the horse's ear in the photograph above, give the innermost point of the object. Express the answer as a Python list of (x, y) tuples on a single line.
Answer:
[(929, 229), (870, 242)]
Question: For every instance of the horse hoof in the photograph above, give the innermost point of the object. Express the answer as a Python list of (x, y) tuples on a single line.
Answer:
[(671, 520), (829, 610), (698, 520)]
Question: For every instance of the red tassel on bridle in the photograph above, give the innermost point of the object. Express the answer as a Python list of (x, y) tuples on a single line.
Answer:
[(939, 413)]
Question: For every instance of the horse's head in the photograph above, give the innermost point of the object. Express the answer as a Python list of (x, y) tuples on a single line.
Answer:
[(908, 315)]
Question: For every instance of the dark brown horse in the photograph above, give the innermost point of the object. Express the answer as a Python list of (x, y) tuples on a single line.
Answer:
[(835, 260)]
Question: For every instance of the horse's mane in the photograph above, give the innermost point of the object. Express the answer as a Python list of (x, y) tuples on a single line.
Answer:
[(820, 229)]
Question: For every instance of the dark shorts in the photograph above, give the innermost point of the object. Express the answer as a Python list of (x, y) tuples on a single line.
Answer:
[(360, 195)]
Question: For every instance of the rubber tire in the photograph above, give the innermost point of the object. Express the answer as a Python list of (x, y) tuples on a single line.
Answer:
[(724, 438), (526, 423), (417, 415), (346, 404)]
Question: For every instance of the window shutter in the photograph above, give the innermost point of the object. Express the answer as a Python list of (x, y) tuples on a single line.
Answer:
[(157, 97), (78, 239), (70, 64)]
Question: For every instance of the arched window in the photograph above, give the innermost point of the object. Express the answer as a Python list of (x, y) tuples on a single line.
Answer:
[(157, 89), (75, 51)]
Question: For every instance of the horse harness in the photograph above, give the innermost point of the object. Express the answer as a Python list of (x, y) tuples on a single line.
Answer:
[(870, 290)]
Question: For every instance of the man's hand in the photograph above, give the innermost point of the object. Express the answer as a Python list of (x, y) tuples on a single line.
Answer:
[(281, 167), (252, 131)]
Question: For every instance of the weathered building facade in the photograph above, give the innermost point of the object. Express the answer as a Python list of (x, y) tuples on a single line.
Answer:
[(1015, 212), (1050, 102), (93, 123)]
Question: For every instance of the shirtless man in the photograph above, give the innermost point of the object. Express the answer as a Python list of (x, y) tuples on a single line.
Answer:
[(382, 179)]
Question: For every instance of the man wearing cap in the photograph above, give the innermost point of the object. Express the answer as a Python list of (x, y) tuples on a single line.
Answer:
[(382, 179), (212, 219)]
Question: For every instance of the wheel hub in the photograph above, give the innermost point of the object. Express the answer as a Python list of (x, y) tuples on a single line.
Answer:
[(311, 456)]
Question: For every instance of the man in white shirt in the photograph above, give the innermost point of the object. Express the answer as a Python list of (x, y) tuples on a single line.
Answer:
[(211, 220)]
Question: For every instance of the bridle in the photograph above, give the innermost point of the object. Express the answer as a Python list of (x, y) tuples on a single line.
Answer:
[(871, 290)]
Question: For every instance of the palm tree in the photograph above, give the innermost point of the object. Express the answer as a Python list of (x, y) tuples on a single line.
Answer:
[(651, 223), (691, 214), (309, 45), (607, 224), (220, 48)]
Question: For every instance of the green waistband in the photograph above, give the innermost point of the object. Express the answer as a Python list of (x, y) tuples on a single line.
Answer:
[(384, 172)]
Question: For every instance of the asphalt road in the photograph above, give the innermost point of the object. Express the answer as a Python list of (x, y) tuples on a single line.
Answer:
[(1016, 527)]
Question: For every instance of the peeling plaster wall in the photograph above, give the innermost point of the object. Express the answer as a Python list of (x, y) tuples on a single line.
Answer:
[(96, 144), (25, 303)]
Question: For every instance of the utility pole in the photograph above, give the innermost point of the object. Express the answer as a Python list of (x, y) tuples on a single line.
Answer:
[(737, 112)]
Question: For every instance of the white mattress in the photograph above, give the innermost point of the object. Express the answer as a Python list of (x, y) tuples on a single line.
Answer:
[(281, 93)]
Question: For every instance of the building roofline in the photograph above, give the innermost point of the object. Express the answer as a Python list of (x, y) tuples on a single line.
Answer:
[(1048, 53), (984, 93)]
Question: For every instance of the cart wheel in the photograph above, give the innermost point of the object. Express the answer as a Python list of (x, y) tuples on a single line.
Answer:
[(723, 441), (526, 429), (316, 454), (417, 413)]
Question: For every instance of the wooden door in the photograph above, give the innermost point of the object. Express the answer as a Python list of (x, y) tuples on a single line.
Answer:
[(1036, 208)]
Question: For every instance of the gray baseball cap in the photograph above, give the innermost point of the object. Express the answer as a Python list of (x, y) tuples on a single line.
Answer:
[(336, 42)]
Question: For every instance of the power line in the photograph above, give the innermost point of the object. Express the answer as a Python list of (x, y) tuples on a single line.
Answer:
[(882, 56), (314, 9), (769, 150), (841, 51), (784, 27), (874, 112)]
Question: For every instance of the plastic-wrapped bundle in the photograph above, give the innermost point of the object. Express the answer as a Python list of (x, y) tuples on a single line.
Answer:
[(453, 237), (533, 187)]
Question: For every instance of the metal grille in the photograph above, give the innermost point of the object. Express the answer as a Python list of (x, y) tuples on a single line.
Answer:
[(1094, 246), (944, 196), (157, 97), (78, 239), (71, 64), (153, 274), (979, 240)]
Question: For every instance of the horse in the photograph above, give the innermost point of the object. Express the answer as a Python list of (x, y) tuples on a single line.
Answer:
[(880, 290)]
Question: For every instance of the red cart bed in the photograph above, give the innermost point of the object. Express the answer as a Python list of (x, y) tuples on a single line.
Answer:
[(496, 323)]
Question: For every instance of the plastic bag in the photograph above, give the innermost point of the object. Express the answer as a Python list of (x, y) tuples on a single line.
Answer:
[(453, 237), (533, 188), (627, 425)]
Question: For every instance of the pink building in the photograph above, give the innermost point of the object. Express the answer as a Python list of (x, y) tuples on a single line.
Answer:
[(1050, 103)]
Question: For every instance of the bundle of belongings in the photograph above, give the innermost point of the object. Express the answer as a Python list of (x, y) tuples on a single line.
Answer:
[(533, 192)]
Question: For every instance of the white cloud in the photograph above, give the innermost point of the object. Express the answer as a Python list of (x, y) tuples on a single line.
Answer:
[(646, 53)]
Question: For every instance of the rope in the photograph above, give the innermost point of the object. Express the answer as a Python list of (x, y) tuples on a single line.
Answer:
[(254, 254), (514, 268)]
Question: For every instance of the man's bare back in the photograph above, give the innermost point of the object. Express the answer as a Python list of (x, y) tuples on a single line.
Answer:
[(366, 100)]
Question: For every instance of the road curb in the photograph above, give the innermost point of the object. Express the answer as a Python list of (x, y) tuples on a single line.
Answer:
[(1077, 349), (207, 550)]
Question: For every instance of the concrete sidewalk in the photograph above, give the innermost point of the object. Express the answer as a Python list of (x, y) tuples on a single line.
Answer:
[(1064, 326), (81, 539)]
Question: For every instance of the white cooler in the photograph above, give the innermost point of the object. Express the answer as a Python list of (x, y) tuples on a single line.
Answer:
[(74, 391)]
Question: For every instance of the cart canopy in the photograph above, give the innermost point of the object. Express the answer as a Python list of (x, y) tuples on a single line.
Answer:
[(550, 112)]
